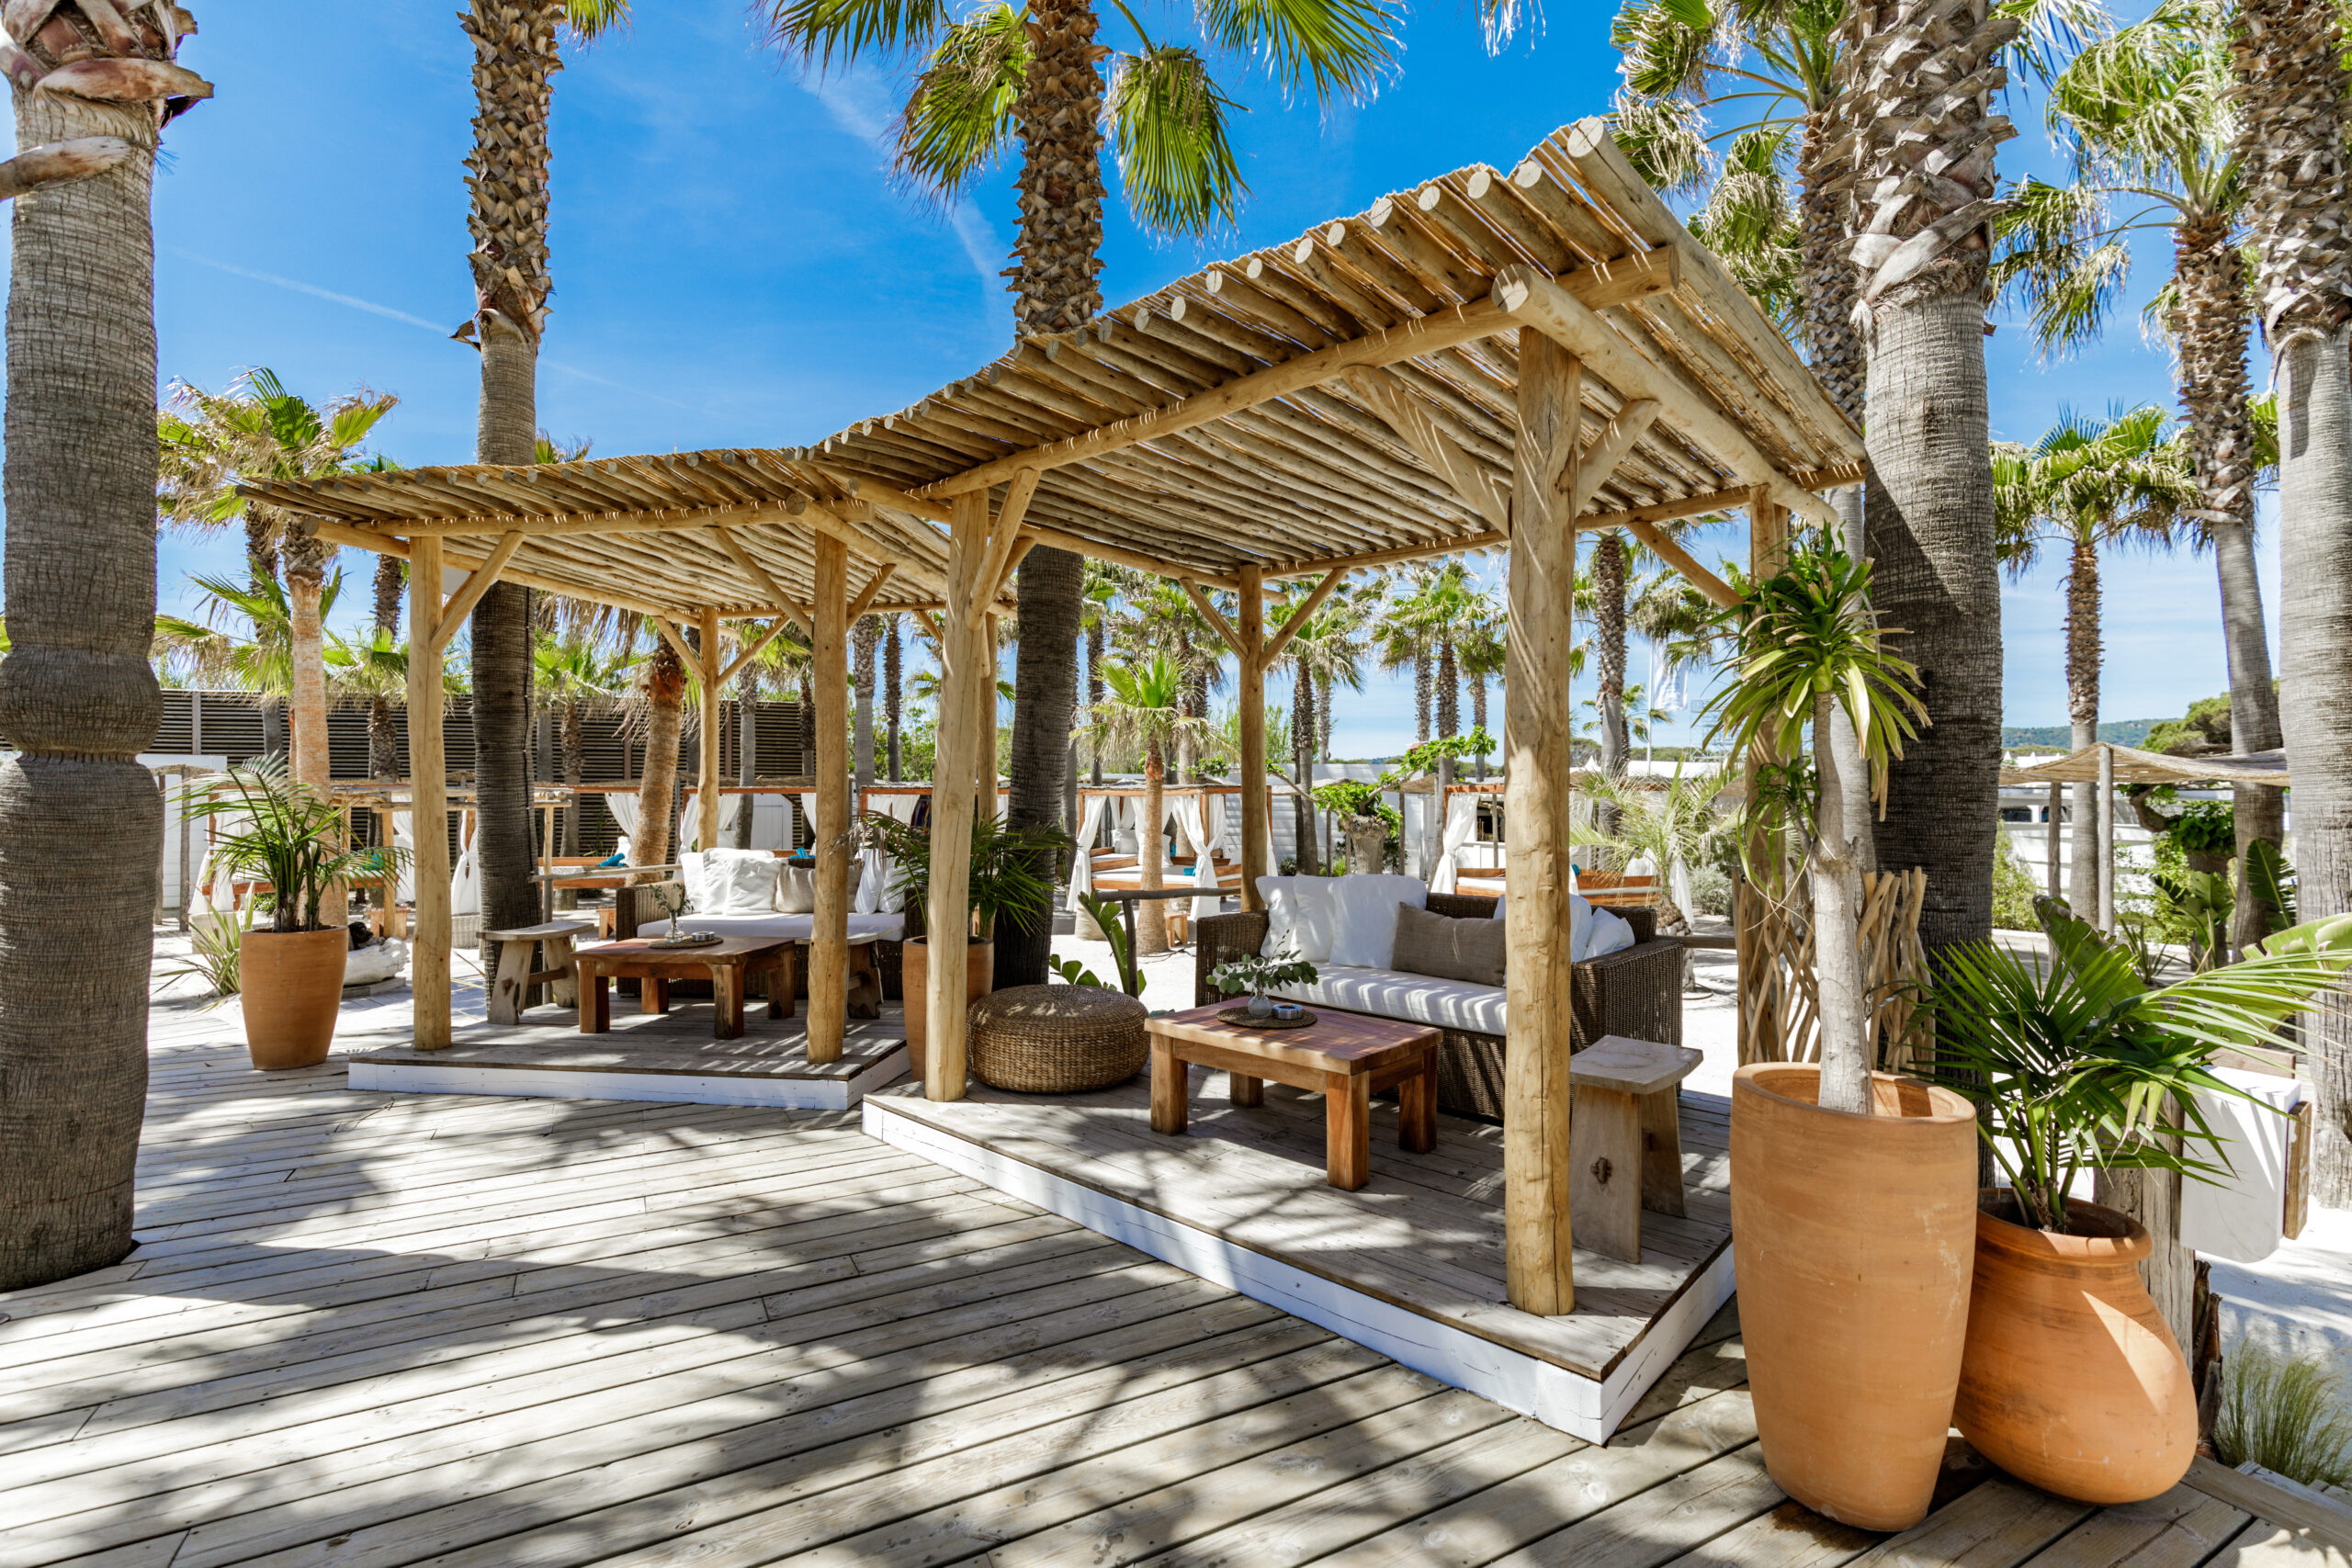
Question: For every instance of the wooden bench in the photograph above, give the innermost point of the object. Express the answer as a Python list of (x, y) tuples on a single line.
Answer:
[(1625, 1140), (516, 977)]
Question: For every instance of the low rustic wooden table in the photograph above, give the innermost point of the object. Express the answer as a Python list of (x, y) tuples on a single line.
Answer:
[(1625, 1140), (1346, 1057), (511, 984), (731, 963)]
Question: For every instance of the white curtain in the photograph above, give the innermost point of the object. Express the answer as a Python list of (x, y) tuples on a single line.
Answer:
[(464, 882), (1461, 827), (1124, 838), (1209, 818), (1081, 865), (404, 838), (690, 831)]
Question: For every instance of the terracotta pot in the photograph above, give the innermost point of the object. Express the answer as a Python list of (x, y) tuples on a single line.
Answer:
[(2073, 1380), (914, 970), (1852, 1236), (290, 986)]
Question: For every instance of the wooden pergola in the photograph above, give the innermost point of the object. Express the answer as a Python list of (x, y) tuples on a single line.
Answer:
[(1489, 359)]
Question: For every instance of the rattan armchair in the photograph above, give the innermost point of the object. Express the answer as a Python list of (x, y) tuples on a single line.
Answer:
[(1635, 992)]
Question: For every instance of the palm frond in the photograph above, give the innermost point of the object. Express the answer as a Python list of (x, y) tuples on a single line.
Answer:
[(1342, 47), (815, 30), (960, 112), (1176, 160), (1666, 139)]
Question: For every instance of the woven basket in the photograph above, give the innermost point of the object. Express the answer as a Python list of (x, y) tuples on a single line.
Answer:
[(1057, 1039)]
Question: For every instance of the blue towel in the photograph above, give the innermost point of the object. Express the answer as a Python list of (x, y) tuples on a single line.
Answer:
[(615, 859)]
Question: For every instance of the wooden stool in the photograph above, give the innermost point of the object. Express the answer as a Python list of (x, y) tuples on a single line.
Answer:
[(1625, 1140), (516, 976)]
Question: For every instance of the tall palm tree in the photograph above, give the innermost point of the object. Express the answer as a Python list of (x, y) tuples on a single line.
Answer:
[(213, 442), (1032, 74), (576, 676), (662, 689), (2288, 56), (864, 639), (2085, 485), (516, 59), (1325, 649), (81, 825), (893, 691), (246, 641), (2149, 122), (1146, 711)]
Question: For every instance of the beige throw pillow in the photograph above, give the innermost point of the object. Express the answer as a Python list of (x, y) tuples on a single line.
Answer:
[(796, 889), (1448, 949)]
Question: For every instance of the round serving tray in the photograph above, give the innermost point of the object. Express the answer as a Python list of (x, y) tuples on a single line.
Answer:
[(692, 939), (1240, 1018)]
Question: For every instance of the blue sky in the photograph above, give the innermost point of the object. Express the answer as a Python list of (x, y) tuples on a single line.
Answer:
[(733, 266)]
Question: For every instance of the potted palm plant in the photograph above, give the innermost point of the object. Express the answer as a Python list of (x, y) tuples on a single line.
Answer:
[(1003, 884), (1853, 1191), (2072, 1380), (286, 834)]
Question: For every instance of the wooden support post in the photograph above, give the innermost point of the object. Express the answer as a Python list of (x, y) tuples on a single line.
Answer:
[(989, 785), (706, 779), (1760, 1021), (2107, 839), (965, 671), (828, 945), (1536, 722), (429, 804), (2052, 838), (1254, 801)]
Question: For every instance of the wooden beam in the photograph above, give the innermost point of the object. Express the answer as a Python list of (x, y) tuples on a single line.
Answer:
[(468, 594), (1762, 1022), (754, 571), (964, 679), (1535, 301), (1223, 627), (1662, 545), (683, 648), (664, 520), (1298, 618), (468, 556), (1645, 273), (1598, 461), (1732, 499), (1021, 549), (429, 811), (1540, 1273), (1453, 546), (1403, 412), (865, 600), (1004, 533), (1250, 642), (880, 492), (707, 779), (928, 622), (1078, 544), (829, 677), (753, 650)]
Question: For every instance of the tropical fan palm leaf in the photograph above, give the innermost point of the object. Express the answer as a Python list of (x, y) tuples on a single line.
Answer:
[(1176, 159), (961, 115)]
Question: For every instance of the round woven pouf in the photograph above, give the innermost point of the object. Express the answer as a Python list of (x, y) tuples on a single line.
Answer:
[(1057, 1039)]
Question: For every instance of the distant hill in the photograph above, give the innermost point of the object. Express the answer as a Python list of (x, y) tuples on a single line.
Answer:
[(2120, 732)]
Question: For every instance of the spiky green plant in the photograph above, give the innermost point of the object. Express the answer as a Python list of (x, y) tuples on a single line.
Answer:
[(2288, 1414)]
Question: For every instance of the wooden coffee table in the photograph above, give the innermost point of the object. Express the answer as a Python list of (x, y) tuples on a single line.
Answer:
[(731, 963), (1346, 1057)]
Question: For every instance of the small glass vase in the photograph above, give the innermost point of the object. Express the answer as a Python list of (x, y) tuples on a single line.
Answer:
[(1260, 1007)]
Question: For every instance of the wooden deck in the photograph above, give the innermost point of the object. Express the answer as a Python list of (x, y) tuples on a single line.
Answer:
[(367, 1330), (1411, 1264), (669, 1056)]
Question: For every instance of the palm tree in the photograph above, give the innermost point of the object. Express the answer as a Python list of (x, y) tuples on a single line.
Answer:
[(575, 676), (246, 641), (864, 639), (81, 825), (1035, 73), (210, 444), (2148, 120), (2292, 85), (1483, 658), (662, 689), (1324, 650), (1146, 711), (2087, 484), (516, 59)]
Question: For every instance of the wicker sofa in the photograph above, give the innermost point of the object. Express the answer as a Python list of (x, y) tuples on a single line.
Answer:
[(635, 908), (1635, 992)]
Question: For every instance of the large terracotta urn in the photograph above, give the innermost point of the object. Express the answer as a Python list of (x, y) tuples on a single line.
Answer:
[(289, 984), (914, 973), (1853, 1238), (2071, 1379)]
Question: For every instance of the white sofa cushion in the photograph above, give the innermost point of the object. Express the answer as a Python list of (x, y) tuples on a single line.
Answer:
[(1415, 999), (1363, 916), (730, 882), (795, 928), (1591, 932), (796, 889), (1298, 918)]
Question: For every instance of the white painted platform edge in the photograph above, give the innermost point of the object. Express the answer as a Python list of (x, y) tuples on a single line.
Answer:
[(1581, 1406), (684, 1088)]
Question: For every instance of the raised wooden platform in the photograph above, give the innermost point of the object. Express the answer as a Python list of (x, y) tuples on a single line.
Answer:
[(661, 1057), (1411, 1265)]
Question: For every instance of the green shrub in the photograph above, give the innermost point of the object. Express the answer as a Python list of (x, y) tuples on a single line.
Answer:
[(1709, 891), (2013, 893), (2288, 1414)]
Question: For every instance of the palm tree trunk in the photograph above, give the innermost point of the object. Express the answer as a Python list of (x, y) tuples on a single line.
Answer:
[(1930, 522), (574, 738), (1151, 920), (1449, 690), (665, 694), (893, 695), (2212, 327), (1095, 689), (1609, 651), (1422, 683), (1044, 686), (1833, 349), (305, 573), (383, 730), (747, 750), (1302, 805), (863, 639), (80, 823), (2083, 657)]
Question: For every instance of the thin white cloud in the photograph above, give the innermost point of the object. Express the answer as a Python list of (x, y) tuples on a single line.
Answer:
[(860, 102), (311, 288)]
